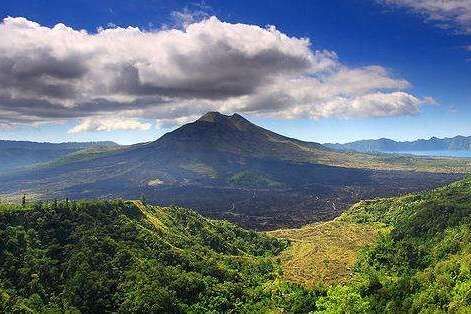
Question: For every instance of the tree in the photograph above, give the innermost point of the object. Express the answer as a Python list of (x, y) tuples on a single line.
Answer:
[(343, 299), (23, 200)]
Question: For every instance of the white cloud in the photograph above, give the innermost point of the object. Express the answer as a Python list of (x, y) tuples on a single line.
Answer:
[(173, 122), (173, 75), (376, 105), (447, 12), (109, 124)]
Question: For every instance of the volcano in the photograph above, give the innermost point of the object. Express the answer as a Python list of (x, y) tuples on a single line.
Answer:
[(226, 167)]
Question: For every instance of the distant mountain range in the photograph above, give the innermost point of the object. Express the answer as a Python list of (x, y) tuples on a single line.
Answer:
[(228, 167), (386, 145), (17, 154)]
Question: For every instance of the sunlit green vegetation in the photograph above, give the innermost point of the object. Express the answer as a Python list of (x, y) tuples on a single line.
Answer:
[(424, 263), (128, 257), (404, 254), (420, 261), (252, 179)]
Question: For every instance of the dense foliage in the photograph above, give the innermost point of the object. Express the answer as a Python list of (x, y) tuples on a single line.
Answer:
[(118, 256), (422, 265), (128, 257)]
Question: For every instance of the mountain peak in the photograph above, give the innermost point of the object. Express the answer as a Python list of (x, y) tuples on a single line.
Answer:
[(215, 117)]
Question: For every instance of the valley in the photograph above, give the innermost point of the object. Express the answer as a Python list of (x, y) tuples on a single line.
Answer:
[(275, 225), (227, 167), (273, 157), (99, 256), (409, 253)]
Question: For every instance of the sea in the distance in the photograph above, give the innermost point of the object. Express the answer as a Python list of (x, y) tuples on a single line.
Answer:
[(436, 153)]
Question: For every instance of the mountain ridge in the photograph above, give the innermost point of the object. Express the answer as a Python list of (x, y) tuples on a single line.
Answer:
[(18, 154), (458, 142), (69, 143)]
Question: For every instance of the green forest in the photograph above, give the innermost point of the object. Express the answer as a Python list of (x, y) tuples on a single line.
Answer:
[(126, 256), (423, 265), (104, 256)]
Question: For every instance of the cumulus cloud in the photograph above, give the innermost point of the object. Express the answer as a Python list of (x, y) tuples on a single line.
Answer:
[(446, 12), (168, 123), (109, 124), (173, 75)]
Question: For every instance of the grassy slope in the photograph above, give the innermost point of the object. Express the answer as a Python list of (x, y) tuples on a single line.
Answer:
[(421, 263), (324, 253), (126, 256), (84, 154)]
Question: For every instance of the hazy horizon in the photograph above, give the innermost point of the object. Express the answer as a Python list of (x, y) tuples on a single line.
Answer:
[(117, 140)]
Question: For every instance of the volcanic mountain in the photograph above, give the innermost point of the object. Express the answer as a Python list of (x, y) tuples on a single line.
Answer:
[(228, 167), (234, 135)]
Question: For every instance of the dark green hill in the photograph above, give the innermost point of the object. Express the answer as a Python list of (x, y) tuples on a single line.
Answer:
[(124, 256), (423, 265), (117, 256)]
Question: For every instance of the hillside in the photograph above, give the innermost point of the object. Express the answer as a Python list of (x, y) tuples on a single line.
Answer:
[(325, 253), (227, 167), (120, 256), (17, 154), (386, 145), (403, 254)]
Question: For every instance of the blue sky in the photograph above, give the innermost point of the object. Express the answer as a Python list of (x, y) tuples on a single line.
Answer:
[(432, 59)]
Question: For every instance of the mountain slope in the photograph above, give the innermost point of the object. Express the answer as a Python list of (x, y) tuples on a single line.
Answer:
[(236, 135), (229, 168), (424, 263), (17, 154), (126, 256), (386, 145), (325, 253), (97, 257), (420, 262)]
